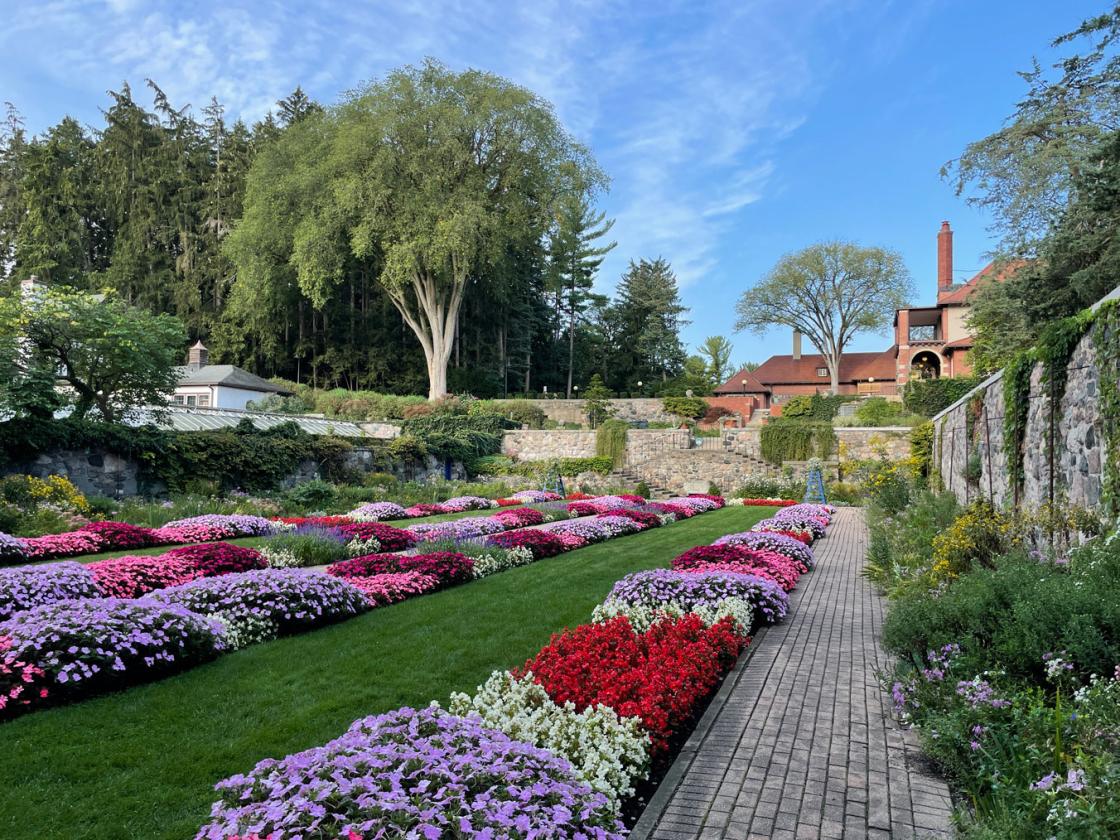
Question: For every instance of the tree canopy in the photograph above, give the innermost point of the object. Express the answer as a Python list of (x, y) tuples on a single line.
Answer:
[(830, 291)]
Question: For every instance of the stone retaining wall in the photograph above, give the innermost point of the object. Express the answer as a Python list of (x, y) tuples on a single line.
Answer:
[(1078, 445)]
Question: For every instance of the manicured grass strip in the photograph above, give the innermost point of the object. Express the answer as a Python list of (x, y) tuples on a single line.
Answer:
[(142, 763)]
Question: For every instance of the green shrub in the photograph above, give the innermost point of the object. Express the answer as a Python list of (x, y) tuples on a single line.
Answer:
[(459, 437), (690, 408), (642, 490), (929, 396), (798, 408), (921, 448), (406, 447), (525, 412), (770, 488), (900, 546), (796, 440), (312, 494), (814, 406), (878, 411)]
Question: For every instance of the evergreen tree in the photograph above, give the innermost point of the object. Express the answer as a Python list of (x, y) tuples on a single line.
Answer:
[(650, 311)]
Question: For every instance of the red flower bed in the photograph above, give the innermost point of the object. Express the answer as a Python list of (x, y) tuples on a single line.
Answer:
[(541, 543), (508, 502), (768, 502), (120, 535), (520, 518), (213, 559), (645, 518), (800, 536), (583, 508), (661, 676), (425, 509), (390, 538), (321, 521), (578, 497), (447, 567)]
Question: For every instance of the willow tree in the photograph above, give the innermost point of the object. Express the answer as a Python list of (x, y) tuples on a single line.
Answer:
[(421, 180)]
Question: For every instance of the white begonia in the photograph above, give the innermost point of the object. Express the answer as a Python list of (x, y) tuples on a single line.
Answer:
[(359, 548), (245, 631), (644, 616), (607, 751), (280, 558), (667, 518), (499, 560), (284, 527)]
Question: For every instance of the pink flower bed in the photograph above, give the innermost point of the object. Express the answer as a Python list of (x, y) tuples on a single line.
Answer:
[(391, 587), (133, 576)]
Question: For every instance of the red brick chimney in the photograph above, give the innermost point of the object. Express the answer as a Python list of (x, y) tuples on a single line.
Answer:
[(944, 258)]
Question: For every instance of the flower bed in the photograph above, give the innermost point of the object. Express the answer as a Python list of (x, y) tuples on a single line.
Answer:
[(762, 502), (285, 600), (133, 576), (22, 685), (660, 676), (25, 587), (414, 773), (540, 542), (459, 504), (729, 557), (769, 541), (105, 643), (115, 536), (213, 559), (447, 567), (532, 497), (237, 524), (12, 549), (388, 538), (520, 518), (392, 587), (375, 511), (706, 590)]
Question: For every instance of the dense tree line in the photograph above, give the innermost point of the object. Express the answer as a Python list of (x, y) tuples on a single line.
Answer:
[(275, 244)]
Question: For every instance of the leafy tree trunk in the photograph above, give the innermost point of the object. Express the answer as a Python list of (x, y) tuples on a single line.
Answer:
[(431, 313)]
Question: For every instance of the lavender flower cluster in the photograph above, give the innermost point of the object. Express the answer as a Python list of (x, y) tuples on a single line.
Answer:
[(25, 587), (769, 541), (702, 589), (90, 645), (12, 549), (595, 529), (459, 529), (377, 511), (244, 524), (461, 503), (531, 497), (700, 504), (291, 600), (414, 773)]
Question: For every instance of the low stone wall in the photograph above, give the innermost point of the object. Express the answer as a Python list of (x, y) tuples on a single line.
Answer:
[(636, 410), (1076, 470), (858, 443), (540, 445)]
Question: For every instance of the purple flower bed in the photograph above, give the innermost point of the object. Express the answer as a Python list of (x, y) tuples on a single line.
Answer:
[(698, 504), (413, 773), (461, 503), (688, 590), (460, 528), (25, 587), (780, 543), (792, 523), (102, 644), (289, 600), (531, 497), (242, 525), (590, 530)]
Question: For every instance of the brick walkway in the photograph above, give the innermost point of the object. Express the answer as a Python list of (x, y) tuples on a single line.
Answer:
[(799, 743)]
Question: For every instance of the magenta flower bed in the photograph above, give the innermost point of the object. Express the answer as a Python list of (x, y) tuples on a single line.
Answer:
[(101, 644), (768, 541), (390, 538), (645, 518), (115, 536), (212, 559), (418, 773), (520, 517), (70, 544), (541, 543), (447, 567), (25, 587), (22, 685), (132, 576)]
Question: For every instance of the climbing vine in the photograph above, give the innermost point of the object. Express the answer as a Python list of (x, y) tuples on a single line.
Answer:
[(1107, 341), (1016, 405), (795, 440)]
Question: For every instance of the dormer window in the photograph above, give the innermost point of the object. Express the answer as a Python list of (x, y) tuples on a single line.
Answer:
[(822, 371)]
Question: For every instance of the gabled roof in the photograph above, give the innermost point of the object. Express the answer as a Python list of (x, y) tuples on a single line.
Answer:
[(959, 295), (229, 376), (785, 370)]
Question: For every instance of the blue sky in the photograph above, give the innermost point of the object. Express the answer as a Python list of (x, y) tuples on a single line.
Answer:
[(733, 131)]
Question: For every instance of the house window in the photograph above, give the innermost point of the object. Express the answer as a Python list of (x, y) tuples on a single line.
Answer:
[(203, 400), (822, 371), (191, 399), (178, 399)]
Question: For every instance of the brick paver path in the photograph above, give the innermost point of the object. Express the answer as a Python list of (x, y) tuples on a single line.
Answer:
[(800, 743)]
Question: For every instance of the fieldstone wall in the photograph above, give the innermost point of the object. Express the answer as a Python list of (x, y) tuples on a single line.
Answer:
[(857, 443), (634, 410), (1077, 443), (540, 445)]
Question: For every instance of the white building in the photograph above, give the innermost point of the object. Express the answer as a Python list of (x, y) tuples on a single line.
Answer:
[(204, 385)]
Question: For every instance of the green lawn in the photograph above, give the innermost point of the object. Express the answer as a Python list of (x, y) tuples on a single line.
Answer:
[(142, 763)]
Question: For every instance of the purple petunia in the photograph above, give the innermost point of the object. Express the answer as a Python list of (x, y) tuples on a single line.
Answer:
[(414, 773), (704, 589), (25, 587), (782, 544)]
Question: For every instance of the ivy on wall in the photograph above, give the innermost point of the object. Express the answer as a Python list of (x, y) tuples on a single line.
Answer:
[(610, 440), (796, 440), (1107, 340), (1016, 405)]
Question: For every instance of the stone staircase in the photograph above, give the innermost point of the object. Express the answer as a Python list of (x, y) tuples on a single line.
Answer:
[(629, 475)]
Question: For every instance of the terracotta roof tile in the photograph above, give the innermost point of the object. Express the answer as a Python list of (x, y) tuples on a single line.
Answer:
[(785, 370)]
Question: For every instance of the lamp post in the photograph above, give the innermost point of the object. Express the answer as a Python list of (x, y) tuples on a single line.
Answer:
[(744, 386), (639, 387)]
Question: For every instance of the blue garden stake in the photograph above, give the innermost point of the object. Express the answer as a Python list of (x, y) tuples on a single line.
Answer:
[(814, 487), (554, 482)]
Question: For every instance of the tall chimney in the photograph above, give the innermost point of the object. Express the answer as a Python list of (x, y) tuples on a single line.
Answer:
[(944, 258), (198, 356), (796, 345)]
